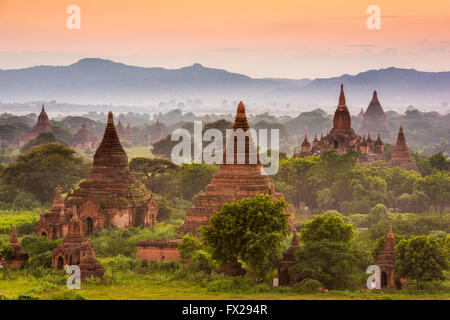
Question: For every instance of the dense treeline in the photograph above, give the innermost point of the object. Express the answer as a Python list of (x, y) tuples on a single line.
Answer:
[(337, 181)]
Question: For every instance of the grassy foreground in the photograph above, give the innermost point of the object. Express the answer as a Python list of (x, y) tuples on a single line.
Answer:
[(159, 287)]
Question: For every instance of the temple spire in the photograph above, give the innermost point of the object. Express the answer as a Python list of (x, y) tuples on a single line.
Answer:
[(401, 141), (13, 241), (240, 121), (295, 242), (342, 102)]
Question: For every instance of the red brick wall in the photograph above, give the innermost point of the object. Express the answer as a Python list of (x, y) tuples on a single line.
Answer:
[(157, 254)]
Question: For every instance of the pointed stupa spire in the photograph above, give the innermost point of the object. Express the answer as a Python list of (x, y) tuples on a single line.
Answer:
[(57, 200), (240, 121), (378, 140), (401, 141), (390, 233), (110, 151), (13, 241), (342, 121), (342, 102), (375, 96), (295, 242), (315, 137), (305, 141), (42, 109)]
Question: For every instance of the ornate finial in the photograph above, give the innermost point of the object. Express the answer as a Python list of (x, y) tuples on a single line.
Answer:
[(375, 94), (43, 109)]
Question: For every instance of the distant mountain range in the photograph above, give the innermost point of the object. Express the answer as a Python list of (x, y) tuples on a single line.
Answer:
[(95, 80)]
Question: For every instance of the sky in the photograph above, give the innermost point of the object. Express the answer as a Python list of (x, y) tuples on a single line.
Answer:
[(259, 38)]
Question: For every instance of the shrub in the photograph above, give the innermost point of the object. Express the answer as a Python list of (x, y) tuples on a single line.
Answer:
[(201, 261), (308, 285)]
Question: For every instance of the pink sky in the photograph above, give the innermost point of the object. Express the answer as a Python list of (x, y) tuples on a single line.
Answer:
[(285, 38)]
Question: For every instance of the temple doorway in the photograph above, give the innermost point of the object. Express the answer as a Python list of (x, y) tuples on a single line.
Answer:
[(60, 263), (44, 234), (89, 225), (383, 280)]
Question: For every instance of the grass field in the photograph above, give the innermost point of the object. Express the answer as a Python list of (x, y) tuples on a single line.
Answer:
[(141, 151), (8, 218), (157, 286)]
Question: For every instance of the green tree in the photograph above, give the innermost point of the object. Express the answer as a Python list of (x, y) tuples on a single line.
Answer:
[(188, 245), (327, 227), (420, 258), (437, 187), (195, 177), (439, 161), (251, 230), (146, 170), (377, 214), (40, 170), (332, 263), (41, 139)]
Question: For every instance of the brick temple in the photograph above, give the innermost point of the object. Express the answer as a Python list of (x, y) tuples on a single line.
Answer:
[(76, 249), (374, 120), (342, 137), (84, 139), (155, 133), (19, 258), (42, 125), (401, 156), (232, 181), (110, 196), (385, 261)]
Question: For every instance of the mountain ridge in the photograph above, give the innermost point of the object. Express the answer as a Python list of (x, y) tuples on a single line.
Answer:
[(97, 80)]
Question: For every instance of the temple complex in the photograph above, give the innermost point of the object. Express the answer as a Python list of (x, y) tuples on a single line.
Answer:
[(342, 137), (155, 134), (288, 260), (401, 156), (42, 125), (110, 196), (374, 120), (232, 181), (77, 250), (19, 258)]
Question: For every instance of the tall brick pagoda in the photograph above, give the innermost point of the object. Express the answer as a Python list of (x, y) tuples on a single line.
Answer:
[(110, 196), (232, 181), (401, 156), (374, 120)]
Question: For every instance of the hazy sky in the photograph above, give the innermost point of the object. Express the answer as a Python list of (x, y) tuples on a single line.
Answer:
[(260, 38)]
